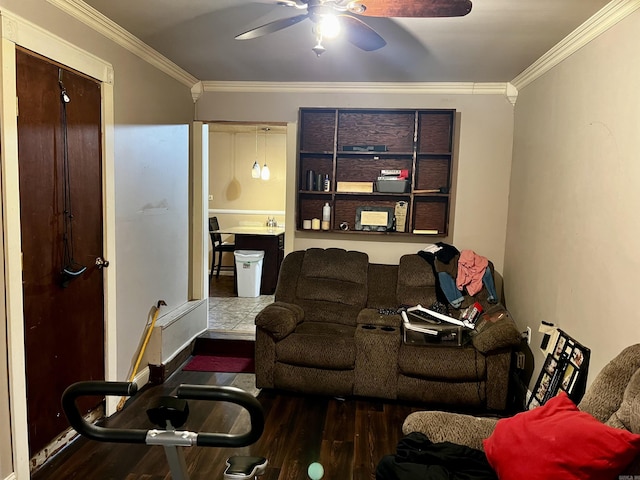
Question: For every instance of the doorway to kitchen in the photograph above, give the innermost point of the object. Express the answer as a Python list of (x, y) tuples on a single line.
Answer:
[(247, 189)]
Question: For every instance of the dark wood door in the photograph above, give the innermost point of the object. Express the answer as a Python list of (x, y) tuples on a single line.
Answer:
[(61, 219)]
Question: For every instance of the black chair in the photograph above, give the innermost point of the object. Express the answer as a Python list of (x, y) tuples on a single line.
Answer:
[(218, 245)]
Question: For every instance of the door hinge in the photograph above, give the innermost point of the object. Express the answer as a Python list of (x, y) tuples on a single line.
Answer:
[(17, 107)]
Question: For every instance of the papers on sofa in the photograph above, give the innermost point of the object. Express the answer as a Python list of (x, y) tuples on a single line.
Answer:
[(425, 312)]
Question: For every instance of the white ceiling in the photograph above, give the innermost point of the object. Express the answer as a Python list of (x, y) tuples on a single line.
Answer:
[(493, 43)]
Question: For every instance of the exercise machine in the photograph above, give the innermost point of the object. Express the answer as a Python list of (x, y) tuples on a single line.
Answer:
[(169, 413)]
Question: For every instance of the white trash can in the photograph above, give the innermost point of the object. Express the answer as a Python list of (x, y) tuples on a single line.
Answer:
[(249, 272)]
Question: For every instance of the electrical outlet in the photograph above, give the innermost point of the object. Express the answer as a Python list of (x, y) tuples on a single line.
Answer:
[(210, 198)]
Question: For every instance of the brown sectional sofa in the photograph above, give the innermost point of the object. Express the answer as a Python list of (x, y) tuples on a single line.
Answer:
[(324, 335)]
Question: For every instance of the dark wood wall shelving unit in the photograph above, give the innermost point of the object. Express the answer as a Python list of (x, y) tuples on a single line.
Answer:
[(420, 141)]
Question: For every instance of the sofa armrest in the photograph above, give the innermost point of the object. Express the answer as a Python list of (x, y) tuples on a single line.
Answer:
[(279, 319), (496, 330), (456, 428)]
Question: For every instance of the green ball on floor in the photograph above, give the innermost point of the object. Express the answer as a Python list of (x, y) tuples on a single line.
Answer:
[(315, 471)]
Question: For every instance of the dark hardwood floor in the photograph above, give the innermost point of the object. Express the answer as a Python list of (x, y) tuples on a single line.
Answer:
[(348, 437), (222, 286)]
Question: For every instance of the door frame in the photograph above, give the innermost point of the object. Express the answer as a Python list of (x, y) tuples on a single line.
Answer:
[(16, 31)]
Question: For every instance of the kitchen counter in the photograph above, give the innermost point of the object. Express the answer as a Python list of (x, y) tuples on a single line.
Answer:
[(251, 230)]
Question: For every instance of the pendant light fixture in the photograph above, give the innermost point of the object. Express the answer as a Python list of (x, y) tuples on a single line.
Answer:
[(265, 174), (255, 170)]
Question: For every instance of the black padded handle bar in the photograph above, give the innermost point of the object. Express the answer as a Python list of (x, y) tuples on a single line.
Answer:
[(231, 395), (194, 392)]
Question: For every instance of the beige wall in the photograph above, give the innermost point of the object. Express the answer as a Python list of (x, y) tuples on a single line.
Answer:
[(483, 156), (232, 152), (239, 199), (143, 96), (572, 253)]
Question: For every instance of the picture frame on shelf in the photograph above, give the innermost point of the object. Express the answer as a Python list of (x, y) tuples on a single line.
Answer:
[(374, 219)]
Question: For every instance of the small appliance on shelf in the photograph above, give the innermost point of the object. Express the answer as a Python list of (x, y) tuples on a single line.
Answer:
[(393, 181)]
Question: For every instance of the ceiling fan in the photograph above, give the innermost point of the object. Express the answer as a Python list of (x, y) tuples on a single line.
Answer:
[(329, 15)]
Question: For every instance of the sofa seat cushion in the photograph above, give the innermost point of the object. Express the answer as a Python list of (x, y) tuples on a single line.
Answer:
[(319, 345), (446, 363)]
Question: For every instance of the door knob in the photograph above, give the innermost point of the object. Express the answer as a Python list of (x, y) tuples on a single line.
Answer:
[(101, 263)]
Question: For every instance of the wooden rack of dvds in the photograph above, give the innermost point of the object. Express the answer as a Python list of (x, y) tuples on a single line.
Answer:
[(364, 154)]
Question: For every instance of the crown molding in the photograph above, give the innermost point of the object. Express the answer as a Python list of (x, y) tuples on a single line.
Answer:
[(599, 23), (32, 37), (101, 24), (460, 88)]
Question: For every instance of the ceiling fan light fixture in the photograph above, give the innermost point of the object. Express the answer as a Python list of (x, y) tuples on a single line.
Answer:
[(266, 173), (356, 7), (319, 48), (255, 170), (329, 26)]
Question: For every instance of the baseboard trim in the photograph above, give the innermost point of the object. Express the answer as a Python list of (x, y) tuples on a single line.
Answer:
[(62, 441), (142, 378), (158, 374)]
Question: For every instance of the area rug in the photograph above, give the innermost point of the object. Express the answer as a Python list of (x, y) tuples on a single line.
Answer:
[(220, 363)]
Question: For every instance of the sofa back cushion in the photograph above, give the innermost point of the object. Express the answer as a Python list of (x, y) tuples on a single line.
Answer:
[(416, 282), (628, 415), (383, 281), (332, 285), (605, 394), (288, 277)]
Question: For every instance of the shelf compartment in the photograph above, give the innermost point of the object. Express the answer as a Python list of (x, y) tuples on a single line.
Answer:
[(430, 215), (310, 206), (367, 169), (319, 163), (433, 172), (345, 206), (395, 130), (317, 130), (435, 131)]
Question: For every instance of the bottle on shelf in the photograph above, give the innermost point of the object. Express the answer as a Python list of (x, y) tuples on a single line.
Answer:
[(326, 216), (311, 180), (327, 183)]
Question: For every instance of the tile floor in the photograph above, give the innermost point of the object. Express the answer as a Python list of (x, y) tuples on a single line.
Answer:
[(229, 313), (235, 314)]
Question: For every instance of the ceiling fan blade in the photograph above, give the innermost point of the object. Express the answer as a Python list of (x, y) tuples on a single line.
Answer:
[(411, 8), (360, 34), (272, 27)]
